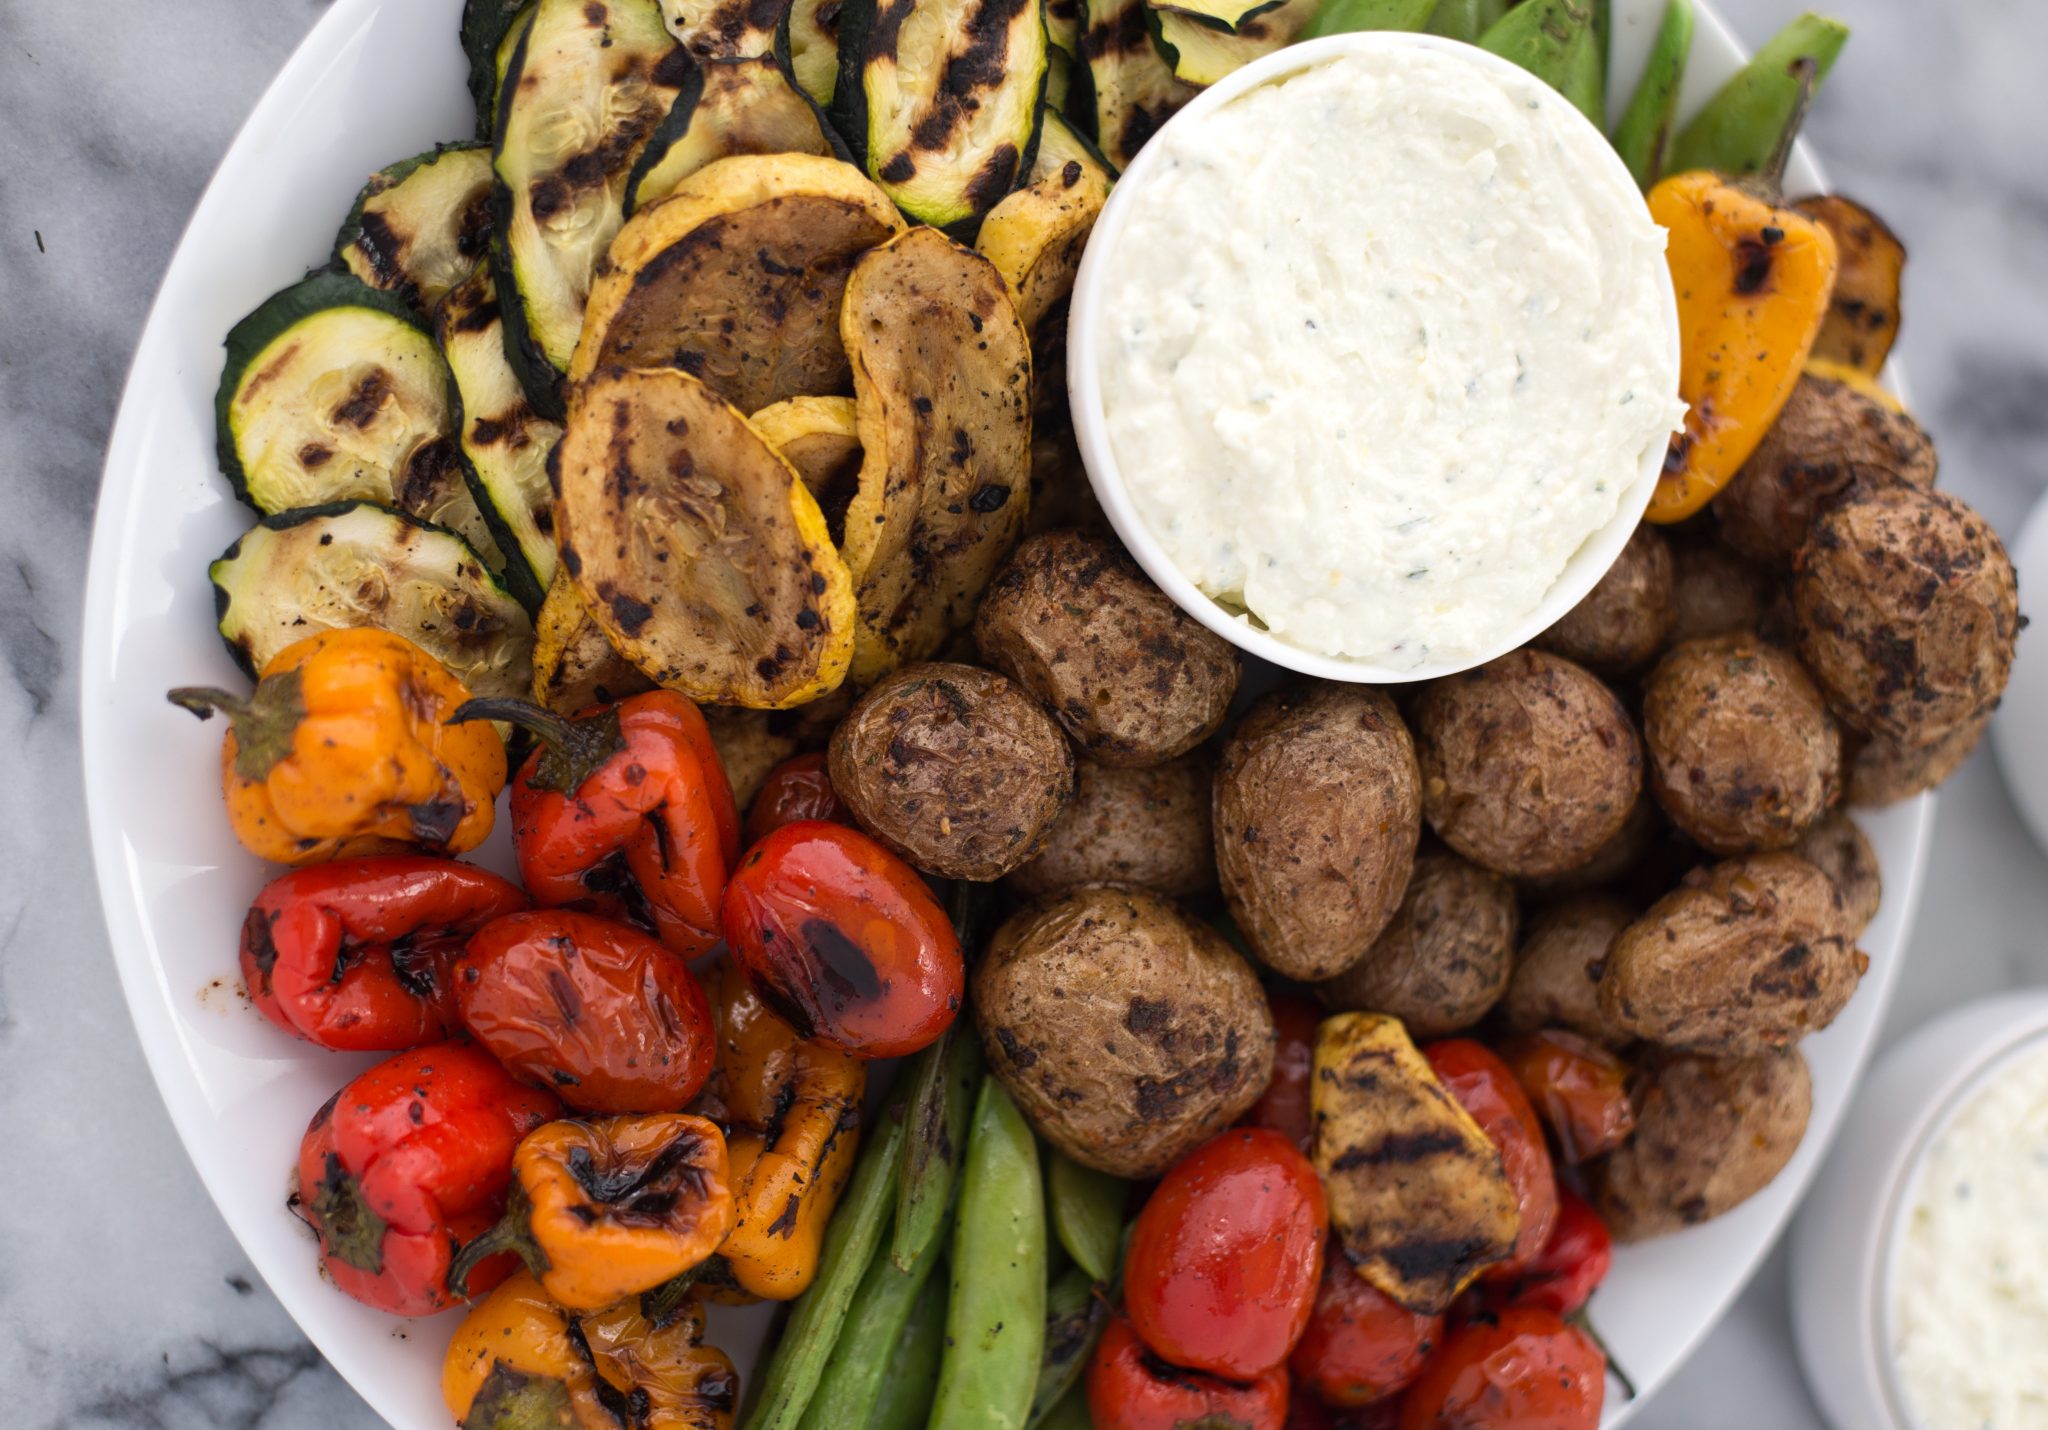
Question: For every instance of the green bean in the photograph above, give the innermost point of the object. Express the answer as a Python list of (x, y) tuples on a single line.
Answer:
[(1644, 132), (1341, 17), (1740, 128), (1466, 20), (1088, 1214), (913, 1370), (1075, 1315), (942, 1082), (1551, 39), (852, 1382), (995, 1321), (786, 1387)]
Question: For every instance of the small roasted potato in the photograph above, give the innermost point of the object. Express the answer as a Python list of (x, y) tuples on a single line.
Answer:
[(1841, 851), (1906, 610), (1831, 434), (1863, 312), (1623, 621), (1715, 592), (1744, 956), (1128, 1032), (1146, 827), (1556, 982), (750, 743), (1741, 750), (1445, 959), (1710, 1134), (1419, 1199), (1133, 678), (1317, 814), (955, 768), (1882, 772), (1529, 763), (1611, 862)]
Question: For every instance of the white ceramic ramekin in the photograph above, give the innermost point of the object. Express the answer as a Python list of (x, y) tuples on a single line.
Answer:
[(1845, 1242), (1084, 387)]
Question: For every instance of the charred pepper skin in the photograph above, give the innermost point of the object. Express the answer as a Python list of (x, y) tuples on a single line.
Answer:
[(624, 811), (355, 955), (343, 749), (406, 1163)]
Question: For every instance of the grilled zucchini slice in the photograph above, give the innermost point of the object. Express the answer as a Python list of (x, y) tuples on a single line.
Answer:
[(1060, 144), (1418, 1197), (332, 391), (504, 443), (585, 85), (723, 29), (1130, 90), (736, 278), (420, 226), (696, 547), (1228, 16), (1035, 236), (1200, 54), (820, 437), (489, 30), (942, 387), (360, 564), (808, 42), (739, 106), (1063, 26), (575, 664), (939, 99)]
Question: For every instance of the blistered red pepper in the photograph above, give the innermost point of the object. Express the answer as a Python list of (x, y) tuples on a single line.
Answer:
[(1283, 1106), (355, 955), (1361, 1346), (1523, 1369), (799, 788), (1485, 1088), (624, 811), (1579, 1089), (1130, 1388), (1564, 1275), (408, 1162)]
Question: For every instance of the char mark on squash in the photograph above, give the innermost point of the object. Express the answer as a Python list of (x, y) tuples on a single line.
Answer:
[(1399, 1149), (1439, 1259)]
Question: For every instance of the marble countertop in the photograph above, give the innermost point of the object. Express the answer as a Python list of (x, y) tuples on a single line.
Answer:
[(124, 1301)]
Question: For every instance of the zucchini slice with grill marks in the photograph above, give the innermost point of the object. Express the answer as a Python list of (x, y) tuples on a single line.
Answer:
[(723, 29), (1063, 26), (697, 548), (588, 81), (820, 437), (420, 226), (1226, 15), (736, 278), (360, 564), (575, 664), (808, 42), (939, 99), (1034, 237), (942, 387), (489, 30), (727, 107), (503, 441), (334, 391), (1201, 54), (1131, 89)]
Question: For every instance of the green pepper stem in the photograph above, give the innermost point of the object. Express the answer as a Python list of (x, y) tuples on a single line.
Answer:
[(1772, 177), (1584, 1323), (571, 750), (203, 700), (537, 720), (510, 1234)]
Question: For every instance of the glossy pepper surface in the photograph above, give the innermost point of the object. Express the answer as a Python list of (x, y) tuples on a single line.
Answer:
[(1524, 1369), (791, 1112), (624, 811), (355, 955), (407, 1162), (1130, 1388), (799, 788), (520, 1360), (1361, 1346), (608, 1209), (343, 748), (1284, 1105), (844, 940), (1485, 1088), (1579, 1089), (1569, 1269), (611, 1019)]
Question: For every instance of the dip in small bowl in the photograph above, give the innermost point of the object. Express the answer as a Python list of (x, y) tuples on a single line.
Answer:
[(1374, 357)]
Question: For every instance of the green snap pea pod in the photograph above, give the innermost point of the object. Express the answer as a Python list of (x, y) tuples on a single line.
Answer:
[(1739, 129), (995, 1319), (1341, 17), (1466, 20), (852, 1382), (1074, 1319), (1088, 1214), (1550, 39), (942, 1083), (786, 1387), (913, 1370), (1644, 133), (1585, 84)]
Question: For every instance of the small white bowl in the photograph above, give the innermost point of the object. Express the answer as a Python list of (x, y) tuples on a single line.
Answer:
[(1845, 1241), (1084, 391)]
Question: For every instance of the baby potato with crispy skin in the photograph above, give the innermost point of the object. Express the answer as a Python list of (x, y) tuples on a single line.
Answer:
[(1742, 751), (1841, 851), (1715, 592), (1881, 772), (1445, 959), (1556, 981), (1148, 827), (1623, 621), (1746, 955)]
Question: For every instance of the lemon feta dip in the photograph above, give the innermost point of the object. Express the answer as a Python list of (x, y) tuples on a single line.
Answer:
[(1385, 341)]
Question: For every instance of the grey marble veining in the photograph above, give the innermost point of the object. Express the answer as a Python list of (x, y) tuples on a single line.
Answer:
[(124, 1301)]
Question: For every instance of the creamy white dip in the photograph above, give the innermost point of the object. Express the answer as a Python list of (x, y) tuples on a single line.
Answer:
[(1969, 1293), (1385, 341)]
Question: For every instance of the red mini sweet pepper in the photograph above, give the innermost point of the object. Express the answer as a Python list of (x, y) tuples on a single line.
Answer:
[(624, 811), (408, 1162), (355, 955)]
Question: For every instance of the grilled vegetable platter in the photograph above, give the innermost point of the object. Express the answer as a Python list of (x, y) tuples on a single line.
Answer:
[(915, 920)]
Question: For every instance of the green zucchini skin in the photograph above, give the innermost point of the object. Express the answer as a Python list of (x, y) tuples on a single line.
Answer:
[(1129, 88), (485, 24), (1200, 53), (703, 100), (1226, 15), (1060, 141), (817, 69), (370, 240)]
